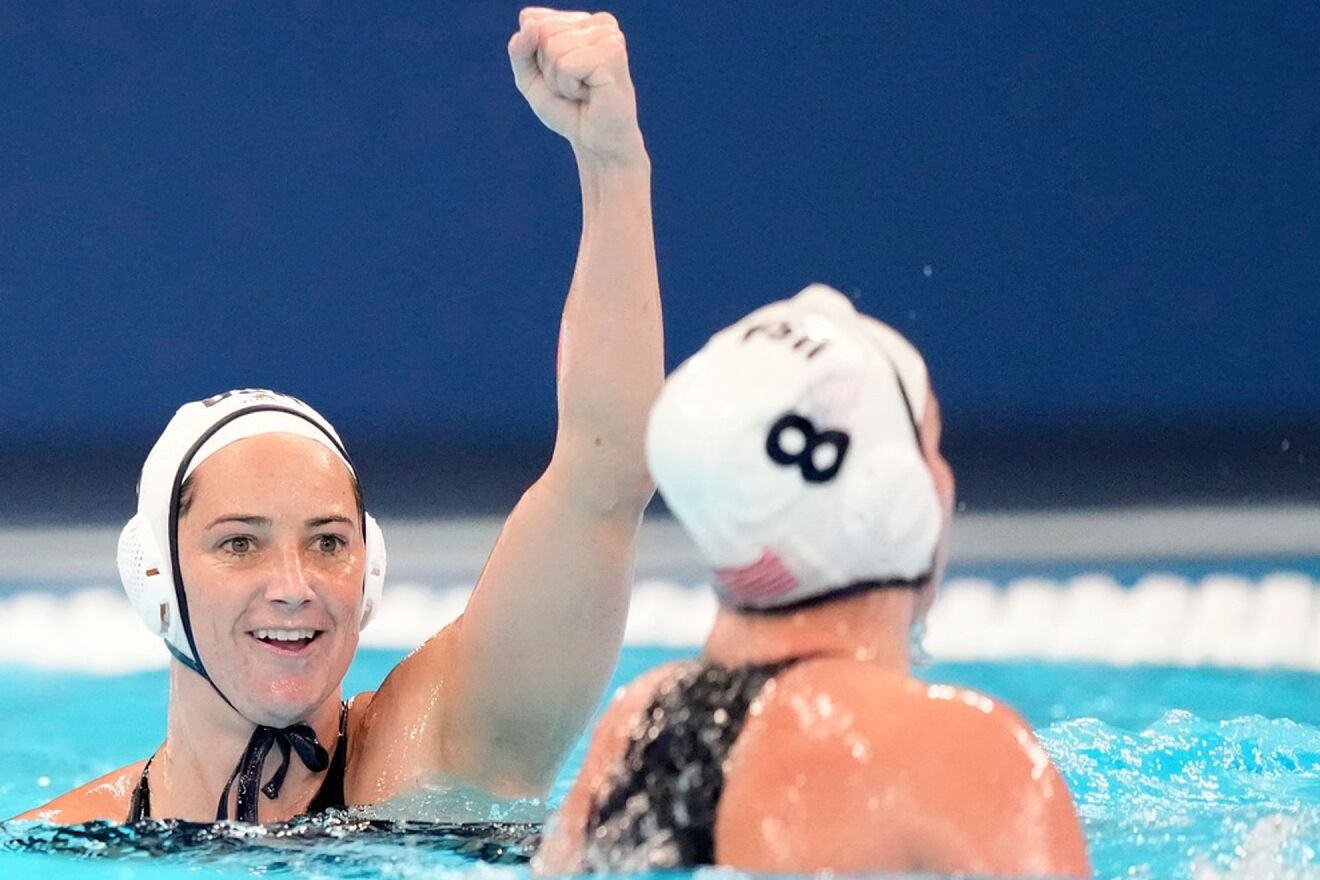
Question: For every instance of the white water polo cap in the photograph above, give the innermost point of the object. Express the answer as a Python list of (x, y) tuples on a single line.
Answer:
[(148, 560), (789, 448)]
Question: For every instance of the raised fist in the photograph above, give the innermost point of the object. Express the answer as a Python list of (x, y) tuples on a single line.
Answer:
[(572, 67)]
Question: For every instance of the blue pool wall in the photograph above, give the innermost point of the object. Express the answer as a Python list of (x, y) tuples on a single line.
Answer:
[(1099, 223)]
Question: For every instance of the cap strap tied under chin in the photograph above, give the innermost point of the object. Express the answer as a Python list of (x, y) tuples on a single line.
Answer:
[(300, 738)]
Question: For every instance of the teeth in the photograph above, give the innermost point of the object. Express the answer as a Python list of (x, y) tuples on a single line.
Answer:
[(285, 635)]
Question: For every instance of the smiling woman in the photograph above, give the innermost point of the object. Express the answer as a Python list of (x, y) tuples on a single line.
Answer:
[(278, 592), (253, 557)]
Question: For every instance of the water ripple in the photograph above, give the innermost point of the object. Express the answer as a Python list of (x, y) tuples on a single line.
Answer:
[(1186, 797), (352, 846)]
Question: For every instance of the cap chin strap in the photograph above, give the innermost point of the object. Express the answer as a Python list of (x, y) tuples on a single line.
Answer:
[(300, 738), (195, 667)]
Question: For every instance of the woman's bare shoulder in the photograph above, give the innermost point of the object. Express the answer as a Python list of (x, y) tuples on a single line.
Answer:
[(106, 798)]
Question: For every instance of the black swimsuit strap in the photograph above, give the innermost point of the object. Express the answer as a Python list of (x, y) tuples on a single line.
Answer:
[(140, 807), (329, 796), (662, 805)]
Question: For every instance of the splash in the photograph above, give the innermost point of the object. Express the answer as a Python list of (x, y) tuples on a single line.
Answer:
[(1191, 798), (1275, 848)]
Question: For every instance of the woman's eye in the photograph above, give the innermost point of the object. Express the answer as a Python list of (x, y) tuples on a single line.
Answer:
[(237, 545), (329, 543)]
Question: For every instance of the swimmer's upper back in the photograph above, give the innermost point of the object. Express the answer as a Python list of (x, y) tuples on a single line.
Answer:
[(852, 768)]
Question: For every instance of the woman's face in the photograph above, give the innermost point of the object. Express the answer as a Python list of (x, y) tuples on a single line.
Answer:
[(272, 556)]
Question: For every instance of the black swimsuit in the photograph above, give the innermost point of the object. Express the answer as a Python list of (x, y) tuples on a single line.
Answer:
[(330, 796), (661, 811)]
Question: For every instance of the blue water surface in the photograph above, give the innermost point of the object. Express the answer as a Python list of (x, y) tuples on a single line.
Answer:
[(1174, 771)]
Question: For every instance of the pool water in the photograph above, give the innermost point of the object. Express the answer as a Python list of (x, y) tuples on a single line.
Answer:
[(1197, 773)]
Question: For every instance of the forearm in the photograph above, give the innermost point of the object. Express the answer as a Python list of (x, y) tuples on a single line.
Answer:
[(611, 339), (542, 631)]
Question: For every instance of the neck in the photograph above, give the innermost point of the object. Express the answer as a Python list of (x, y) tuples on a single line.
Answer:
[(204, 741), (873, 627)]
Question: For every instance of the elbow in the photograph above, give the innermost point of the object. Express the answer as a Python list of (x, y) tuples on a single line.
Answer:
[(606, 477), (621, 497)]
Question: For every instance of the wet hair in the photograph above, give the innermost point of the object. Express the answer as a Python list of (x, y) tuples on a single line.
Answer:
[(188, 491)]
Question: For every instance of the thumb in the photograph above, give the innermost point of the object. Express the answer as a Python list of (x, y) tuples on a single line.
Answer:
[(522, 56)]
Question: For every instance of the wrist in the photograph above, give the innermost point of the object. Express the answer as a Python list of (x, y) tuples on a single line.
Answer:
[(628, 158)]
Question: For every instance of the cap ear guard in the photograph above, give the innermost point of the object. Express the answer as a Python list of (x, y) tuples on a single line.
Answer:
[(146, 578), (374, 583)]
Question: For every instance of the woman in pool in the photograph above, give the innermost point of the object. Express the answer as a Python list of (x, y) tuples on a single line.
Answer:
[(800, 449), (253, 556)]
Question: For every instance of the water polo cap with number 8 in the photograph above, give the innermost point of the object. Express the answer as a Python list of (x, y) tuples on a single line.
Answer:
[(789, 448)]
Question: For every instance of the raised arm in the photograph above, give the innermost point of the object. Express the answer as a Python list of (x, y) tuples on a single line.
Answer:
[(499, 697)]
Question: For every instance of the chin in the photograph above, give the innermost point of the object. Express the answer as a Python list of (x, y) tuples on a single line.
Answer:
[(276, 693), (289, 700)]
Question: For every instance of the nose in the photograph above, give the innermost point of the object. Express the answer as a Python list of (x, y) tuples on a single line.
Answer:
[(288, 584)]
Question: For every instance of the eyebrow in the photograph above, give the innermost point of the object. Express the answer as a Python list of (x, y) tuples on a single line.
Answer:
[(264, 522), (327, 520), (255, 521)]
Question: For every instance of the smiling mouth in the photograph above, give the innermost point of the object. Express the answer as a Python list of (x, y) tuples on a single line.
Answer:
[(286, 641)]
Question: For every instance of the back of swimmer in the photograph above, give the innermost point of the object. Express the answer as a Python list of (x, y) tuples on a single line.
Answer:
[(800, 450)]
